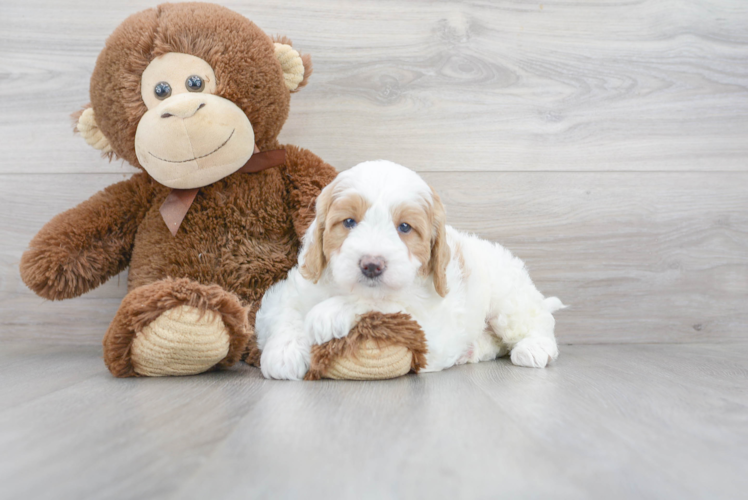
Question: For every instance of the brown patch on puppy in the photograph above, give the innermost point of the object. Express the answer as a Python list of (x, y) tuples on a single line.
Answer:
[(384, 329), (330, 233), (314, 258), (418, 240), (440, 253), (428, 238), (352, 206)]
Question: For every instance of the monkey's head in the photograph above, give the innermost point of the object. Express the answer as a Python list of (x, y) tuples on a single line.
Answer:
[(185, 91)]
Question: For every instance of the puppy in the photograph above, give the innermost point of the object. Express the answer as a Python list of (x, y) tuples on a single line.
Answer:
[(379, 243)]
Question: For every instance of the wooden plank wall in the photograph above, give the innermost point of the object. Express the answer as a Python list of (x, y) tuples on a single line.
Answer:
[(606, 143)]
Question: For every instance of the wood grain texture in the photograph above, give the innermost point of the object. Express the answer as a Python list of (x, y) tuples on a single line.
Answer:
[(629, 421), (635, 261), (604, 143), (448, 85)]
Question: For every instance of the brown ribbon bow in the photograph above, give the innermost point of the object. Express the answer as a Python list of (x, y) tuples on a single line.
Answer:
[(178, 203)]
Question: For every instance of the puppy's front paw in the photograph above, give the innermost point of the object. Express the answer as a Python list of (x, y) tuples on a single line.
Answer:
[(285, 358), (330, 319), (534, 352)]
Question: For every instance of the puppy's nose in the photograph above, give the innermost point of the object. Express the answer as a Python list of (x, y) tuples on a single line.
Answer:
[(371, 267)]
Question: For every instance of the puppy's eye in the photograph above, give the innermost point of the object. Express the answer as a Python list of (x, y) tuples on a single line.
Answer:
[(162, 90), (194, 84), (349, 223), (404, 227)]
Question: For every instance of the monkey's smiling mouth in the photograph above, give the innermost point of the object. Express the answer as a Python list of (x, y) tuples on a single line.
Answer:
[(196, 157)]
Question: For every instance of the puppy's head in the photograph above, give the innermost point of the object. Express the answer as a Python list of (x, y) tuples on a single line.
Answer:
[(378, 227)]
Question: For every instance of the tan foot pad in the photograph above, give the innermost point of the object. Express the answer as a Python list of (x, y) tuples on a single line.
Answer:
[(381, 346), (180, 342), (372, 363)]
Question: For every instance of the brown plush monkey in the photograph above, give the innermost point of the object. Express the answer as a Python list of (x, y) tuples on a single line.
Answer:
[(195, 95)]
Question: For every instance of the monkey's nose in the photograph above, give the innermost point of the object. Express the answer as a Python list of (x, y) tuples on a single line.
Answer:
[(371, 267), (182, 109)]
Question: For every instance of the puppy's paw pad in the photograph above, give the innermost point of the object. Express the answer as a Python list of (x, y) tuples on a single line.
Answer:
[(534, 352), (285, 360)]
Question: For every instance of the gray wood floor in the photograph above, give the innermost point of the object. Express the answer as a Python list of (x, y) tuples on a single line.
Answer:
[(626, 421)]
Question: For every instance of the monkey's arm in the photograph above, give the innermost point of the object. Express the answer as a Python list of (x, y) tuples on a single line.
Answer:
[(81, 248), (306, 175)]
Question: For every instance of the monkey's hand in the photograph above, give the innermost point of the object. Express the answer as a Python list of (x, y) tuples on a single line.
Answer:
[(81, 248)]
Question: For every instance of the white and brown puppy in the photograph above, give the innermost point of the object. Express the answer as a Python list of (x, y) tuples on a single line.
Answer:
[(380, 243)]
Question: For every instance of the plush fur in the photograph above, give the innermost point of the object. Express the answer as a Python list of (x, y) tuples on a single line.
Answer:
[(146, 303), (241, 55), (393, 329), (380, 243), (242, 233)]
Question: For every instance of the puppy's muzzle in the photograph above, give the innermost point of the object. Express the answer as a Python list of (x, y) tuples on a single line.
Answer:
[(372, 267)]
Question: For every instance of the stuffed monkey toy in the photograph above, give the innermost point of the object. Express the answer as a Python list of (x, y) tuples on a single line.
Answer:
[(195, 96)]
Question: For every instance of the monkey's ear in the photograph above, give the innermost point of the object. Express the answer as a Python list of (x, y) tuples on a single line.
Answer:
[(296, 68), (89, 130)]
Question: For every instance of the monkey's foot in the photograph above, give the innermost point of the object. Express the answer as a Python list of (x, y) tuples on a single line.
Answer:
[(175, 327), (381, 346), (181, 341)]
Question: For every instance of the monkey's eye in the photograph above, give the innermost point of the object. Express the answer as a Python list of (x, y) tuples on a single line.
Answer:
[(349, 223), (194, 84), (162, 90), (404, 227)]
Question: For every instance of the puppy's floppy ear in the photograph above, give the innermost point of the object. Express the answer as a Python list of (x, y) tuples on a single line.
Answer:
[(314, 255), (296, 68), (86, 126), (440, 253)]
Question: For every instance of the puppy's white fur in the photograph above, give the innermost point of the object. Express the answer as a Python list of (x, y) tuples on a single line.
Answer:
[(490, 305)]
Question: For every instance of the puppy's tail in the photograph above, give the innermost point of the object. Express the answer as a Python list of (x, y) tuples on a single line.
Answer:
[(553, 304)]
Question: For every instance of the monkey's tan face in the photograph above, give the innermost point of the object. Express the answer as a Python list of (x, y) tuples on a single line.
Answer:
[(189, 137)]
